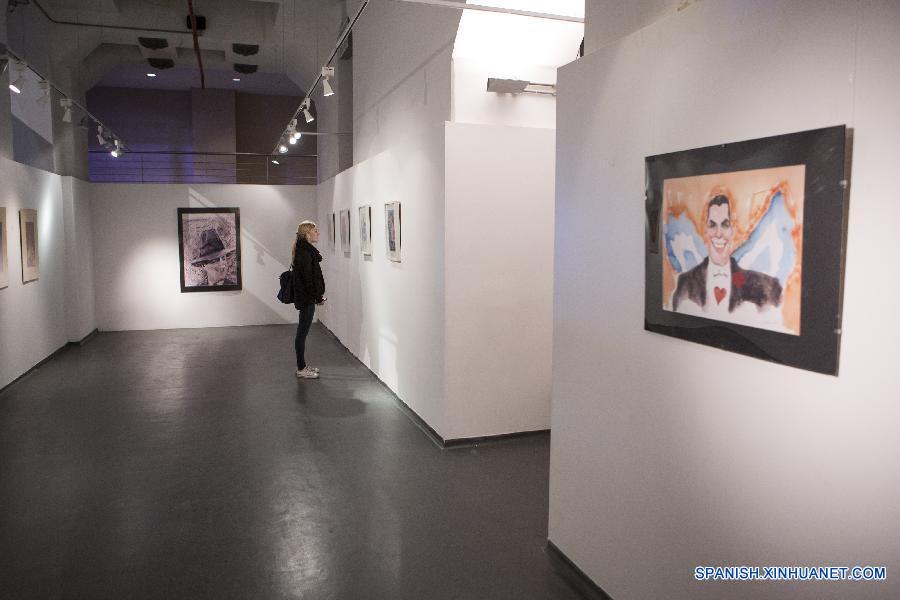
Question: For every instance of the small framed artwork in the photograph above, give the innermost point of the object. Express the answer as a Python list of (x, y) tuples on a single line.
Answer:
[(209, 249), (365, 230), (4, 257), (745, 246), (392, 230), (28, 231), (331, 231), (345, 231)]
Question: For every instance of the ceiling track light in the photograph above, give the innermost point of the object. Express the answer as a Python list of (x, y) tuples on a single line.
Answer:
[(282, 148), (327, 74), (305, 108), (18, 83), (326, 71), (105, 136), (44, 98), (66, 105)]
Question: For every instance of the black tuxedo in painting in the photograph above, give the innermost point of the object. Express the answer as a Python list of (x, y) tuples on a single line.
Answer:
[(746, 286)]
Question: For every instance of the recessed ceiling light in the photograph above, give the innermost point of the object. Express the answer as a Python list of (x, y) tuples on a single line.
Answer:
[(235, 78), (151, 74)]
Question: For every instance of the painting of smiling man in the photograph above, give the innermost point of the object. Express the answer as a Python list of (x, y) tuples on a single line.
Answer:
[(734, 247)]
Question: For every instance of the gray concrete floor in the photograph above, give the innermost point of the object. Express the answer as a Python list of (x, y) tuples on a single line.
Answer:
[(193, 464)]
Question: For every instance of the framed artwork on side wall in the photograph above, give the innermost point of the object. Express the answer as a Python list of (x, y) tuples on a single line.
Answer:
[(744, 246), (365, 230), (392, 230), (28, 232), (209, 248), (331, 231), (345, 231), (4, 260)]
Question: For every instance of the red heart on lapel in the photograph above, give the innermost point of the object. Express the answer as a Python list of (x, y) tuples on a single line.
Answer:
[(720, 294)]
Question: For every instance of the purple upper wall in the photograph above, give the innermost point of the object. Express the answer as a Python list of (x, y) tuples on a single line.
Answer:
[(146, 119), (180, 121)]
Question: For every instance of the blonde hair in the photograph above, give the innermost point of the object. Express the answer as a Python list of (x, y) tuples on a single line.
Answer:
[(303, 231)]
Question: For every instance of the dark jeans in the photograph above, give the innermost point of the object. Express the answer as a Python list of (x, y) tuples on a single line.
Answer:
[(306, 318)]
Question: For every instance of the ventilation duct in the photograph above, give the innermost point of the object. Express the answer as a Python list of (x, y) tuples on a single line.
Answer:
[(153, 43), (161, 63), (245, 49)]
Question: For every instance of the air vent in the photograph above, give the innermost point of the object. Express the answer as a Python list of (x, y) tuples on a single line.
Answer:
[(245, 69), (201, 22), (161, 63), (153, 43), (245, 49)]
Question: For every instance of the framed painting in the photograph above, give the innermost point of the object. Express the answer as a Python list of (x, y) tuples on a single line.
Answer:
[(331, 231), (392, 230), (745, 246), (28, 232), (4, 257), (209, 248), (345, 231), (365, 230)]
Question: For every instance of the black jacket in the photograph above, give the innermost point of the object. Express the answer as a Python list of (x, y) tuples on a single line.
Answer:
[(746, 286), (309, 284)]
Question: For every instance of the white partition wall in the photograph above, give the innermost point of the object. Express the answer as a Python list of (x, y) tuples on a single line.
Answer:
[(667, 455), (32, 315), (499, 278), (391, 314), (136, 264)]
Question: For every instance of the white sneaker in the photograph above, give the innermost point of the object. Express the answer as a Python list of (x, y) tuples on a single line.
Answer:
[(307, 373), (316, 369)]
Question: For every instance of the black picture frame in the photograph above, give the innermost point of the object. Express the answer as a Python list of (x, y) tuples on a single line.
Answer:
[(825, 154), (211, 245)]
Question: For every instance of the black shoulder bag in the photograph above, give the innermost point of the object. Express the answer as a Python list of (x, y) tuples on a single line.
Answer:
[(286, 289)]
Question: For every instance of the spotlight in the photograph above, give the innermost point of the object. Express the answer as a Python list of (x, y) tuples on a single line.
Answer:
[(66, 104), (292, 140), (151, 74), (282, 148), (327, 73), (235, 79), (275, 161), (19, 82), (101, 139), (297, 135), (305, 108), (117, 151), (44, 98)]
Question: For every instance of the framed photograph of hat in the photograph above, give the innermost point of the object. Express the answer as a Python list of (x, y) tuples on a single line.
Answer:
[(28, 231), (392, 230), (345, 231), (365, 230), (745, 246), (209, 249), (4, 257)]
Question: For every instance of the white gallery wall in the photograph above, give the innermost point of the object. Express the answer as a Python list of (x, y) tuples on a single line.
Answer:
[(32, 315), (391, 314), (499, 278), (666, 454), (80, 308), (136, 264)]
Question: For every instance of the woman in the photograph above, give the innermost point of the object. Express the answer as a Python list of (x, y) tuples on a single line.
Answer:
[(309, 290)]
